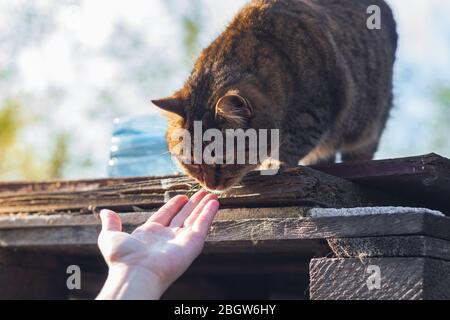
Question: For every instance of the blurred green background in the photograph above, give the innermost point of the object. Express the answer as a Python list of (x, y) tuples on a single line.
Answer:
[(68, 68)]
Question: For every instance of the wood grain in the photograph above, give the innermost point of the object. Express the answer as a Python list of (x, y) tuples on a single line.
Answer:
[(392, 246), (266, 234), (425, 178), (294, 186), (68, 185), (401, 279)]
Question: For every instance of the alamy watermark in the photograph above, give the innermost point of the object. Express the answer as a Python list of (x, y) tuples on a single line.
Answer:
[(374, 280), (231, 146), (73, 281), (374, 20)]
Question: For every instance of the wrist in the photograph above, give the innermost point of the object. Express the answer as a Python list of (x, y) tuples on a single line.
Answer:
[(131, 283)]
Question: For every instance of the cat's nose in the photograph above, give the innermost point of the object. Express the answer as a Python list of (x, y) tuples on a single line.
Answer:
[(210, 183), (209, 179)]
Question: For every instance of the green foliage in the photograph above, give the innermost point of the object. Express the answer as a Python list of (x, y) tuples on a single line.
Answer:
[(19, 160), (191, 36), (443, 98), (191, 24), (59, 156), (10, 124)]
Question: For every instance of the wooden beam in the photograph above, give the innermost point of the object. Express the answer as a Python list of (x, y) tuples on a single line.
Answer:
[(392, 246), (137, 218), (68, 185), (400, 279), (424, 178), (295, 186), (261, 234), (25, 277), (26, 283)]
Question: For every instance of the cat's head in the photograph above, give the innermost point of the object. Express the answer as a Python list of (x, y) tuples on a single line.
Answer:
[(233, 109)]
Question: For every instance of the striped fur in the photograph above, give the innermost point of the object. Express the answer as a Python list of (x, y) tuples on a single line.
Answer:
[(309, 68)]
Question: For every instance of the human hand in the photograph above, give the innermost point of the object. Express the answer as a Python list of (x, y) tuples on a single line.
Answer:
[(155, 254)]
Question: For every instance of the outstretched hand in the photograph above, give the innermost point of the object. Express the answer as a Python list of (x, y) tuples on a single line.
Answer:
[(158, 252)]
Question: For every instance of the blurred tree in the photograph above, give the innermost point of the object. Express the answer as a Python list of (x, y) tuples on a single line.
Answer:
[(23, 161), (443, 96), (10, 124), (59, 157), (191, 30), (191, 18)]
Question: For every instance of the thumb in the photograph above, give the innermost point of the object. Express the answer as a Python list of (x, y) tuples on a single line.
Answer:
[(110, 221)]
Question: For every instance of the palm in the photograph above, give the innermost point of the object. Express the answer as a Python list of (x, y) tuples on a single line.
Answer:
[(167, 243)]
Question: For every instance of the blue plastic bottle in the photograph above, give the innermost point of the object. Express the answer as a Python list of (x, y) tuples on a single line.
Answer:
[(138, 147)]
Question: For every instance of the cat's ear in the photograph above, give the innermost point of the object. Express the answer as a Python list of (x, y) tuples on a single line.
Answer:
[(173, 104), (235, 109)]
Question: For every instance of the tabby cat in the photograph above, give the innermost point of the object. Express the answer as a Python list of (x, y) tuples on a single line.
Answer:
[(310, 68)]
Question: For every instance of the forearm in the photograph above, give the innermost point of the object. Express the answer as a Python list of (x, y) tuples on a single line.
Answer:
[(127, 283)]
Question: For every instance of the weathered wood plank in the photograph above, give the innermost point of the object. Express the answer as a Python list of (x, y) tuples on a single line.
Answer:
[(330, 227), (425, 178), (400, 279), (294, 186), (231, 275), (246, 276), (269, 234), (68, 185), (25, 276), (149, 192), (29, 283), (393, 246), (363, 171), (136, 218)]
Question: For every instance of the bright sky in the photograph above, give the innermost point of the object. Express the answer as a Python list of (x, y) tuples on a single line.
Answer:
[(423, 25), (72, 58)]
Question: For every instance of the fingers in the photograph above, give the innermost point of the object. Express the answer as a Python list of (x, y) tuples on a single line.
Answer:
[(110, 221), (166, 213), (178, 220), (204, 220), (198, 209), (194, 238)]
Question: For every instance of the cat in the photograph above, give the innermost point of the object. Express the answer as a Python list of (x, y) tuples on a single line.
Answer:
[(310, 68)]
